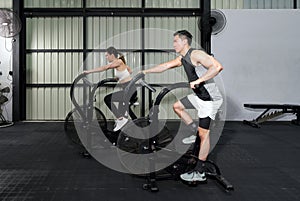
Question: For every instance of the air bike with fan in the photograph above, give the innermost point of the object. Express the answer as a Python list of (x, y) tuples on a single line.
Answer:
[(86, 121), (148, 147)]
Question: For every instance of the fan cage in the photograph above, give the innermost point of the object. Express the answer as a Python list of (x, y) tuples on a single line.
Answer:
[(10, 23)]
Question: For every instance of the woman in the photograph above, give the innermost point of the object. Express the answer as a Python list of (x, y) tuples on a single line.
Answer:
[(122, 73)]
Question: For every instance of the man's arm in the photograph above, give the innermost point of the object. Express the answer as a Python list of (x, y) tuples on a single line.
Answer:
[(164, 66), (213, 66)]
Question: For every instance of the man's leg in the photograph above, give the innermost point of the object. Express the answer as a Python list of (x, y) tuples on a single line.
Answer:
[(203, 132), (179, 109), (198, 173), (204, 143)]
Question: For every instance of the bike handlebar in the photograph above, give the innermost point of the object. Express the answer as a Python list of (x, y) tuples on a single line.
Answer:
[(136, 78), (145, 84), (86, 81), (94, 87)]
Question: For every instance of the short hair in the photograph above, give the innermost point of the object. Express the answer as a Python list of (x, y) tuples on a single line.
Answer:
[(184, 34)]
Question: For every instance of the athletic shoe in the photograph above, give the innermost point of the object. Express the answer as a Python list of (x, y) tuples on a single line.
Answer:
[(120, 123), (189, 140), (193, 175)]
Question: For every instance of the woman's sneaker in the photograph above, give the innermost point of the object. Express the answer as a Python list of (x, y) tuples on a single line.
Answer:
[(193, 176), (189, 140), (120, 123)]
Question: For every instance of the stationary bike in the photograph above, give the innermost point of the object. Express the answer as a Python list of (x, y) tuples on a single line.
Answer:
[(149, 148), (87, 118)]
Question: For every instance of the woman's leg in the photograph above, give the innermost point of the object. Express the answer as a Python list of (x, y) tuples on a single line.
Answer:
[(113, 98)]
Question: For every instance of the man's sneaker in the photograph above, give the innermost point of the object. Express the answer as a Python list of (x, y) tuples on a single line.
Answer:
[(193, 175), (120, 123), (189, 140)]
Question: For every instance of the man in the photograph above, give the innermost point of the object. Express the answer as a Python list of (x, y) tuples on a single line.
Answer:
[(206, 98)]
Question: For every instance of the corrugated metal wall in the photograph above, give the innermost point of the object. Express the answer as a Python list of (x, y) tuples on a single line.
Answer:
[(54, 33), (219, 4), (172, 4), (227, 4), (52, 3), (5, 3), (51, 103), (114, 3), (66, 33), (224, 4), (117, 31)]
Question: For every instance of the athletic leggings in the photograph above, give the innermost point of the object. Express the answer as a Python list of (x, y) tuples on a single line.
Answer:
[(117, 97)]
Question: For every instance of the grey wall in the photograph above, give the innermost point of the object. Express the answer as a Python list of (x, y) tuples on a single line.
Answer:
[(260, 53)]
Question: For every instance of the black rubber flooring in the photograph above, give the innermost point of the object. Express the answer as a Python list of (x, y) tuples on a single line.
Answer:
[(37, 162)]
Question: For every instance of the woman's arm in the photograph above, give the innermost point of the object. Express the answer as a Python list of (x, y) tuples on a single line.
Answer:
[(114, 64)]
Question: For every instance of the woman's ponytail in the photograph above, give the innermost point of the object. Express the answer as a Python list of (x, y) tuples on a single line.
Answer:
[(121, 56)]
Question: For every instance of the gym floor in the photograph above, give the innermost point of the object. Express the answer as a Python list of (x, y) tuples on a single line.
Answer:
[(37, 162)]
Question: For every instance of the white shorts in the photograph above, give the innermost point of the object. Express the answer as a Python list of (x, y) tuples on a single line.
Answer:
[(205, 108)]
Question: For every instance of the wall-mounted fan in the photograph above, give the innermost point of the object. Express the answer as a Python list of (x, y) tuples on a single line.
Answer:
[(5, 98), (217, 21), (10, 23)]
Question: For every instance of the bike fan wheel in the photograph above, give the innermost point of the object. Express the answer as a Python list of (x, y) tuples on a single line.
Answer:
[(73, 118)]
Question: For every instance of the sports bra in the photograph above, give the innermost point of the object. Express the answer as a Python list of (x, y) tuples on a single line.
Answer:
[(121, 75)]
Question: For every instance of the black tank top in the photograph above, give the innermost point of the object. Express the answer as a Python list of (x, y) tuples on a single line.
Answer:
[(190, 71)]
